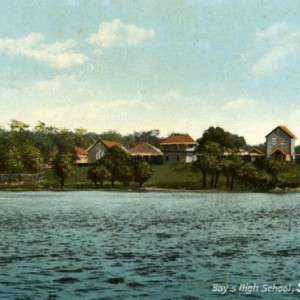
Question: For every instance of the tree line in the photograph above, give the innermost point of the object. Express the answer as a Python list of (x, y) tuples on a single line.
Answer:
[(25, 150), (115, 165), (217, 154)]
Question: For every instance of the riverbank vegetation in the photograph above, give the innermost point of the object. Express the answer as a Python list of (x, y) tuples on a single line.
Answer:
[(217, 167), (165, 177)]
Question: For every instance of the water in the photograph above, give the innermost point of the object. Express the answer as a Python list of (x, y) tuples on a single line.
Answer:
[(98, 245)]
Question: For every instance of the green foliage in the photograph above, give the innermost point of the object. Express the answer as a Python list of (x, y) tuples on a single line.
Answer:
[(142, 172), (64, 140), (98, 173), (209, 162), (14, 160), (117, 161), (81, 138), (23, 158), (31, 159), (223, 138), (63, 166), (265, 174), (111, 135), (16, 125), (211, 149), (231, 167)]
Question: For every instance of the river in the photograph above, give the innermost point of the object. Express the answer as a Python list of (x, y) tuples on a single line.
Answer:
[(109, 245)]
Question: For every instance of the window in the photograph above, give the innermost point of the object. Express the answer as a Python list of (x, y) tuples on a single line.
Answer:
[(99, 154), (178, 159), (273, 141), (167, 157), (283, 142)]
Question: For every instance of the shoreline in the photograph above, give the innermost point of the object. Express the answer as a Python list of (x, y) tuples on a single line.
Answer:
[(150, 189)]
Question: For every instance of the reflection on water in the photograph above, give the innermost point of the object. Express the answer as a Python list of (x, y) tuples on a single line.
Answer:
[(96, 245)]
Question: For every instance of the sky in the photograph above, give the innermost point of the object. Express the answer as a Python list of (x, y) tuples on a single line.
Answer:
[(135, 65)]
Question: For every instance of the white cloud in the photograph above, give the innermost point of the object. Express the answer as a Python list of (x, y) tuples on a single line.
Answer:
[(118, 34), (240, 103), (274, 30), (58, 55), (275, 46)]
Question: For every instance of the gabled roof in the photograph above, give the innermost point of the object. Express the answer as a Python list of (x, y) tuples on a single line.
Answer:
[(145, 149), (280, 150), (110, 144), (107, 143), (285, 130), (80, 151), (178, 138), (256, 150)]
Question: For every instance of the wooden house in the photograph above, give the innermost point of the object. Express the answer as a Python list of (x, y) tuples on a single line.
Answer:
[(145, 151), (81, 157), (178, 148), (99, 148), (281, 144), (256, 154)]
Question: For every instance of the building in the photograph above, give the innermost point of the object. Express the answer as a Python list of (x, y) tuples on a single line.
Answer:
[(254, 154), (280, 144), (99, 148), (81, 157), (145, 151), (178, 148)]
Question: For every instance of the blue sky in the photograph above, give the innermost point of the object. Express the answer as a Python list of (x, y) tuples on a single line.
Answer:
[(176, 66)]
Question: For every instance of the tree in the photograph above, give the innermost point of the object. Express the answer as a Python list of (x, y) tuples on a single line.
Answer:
[(13, 162), (142, 172), (64, 140), (40, 127), (31, 158), (81, 138), (98, 173), (211, 149), (222, 137), (151, 137), (63, 166), (16, 125), (115, 160), (276, 167), (126, 173), (248, 174), (209, 162), (231, 166), (44, 139), (111, 135), (23, 158)]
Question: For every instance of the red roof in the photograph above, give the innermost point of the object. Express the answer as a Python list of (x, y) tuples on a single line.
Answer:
[(178, 138), (144, 149), (286, 130), (110, 144), (80, 151)]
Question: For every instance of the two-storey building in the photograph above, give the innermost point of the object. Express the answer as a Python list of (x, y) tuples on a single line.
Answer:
[(178, 148), (280, 144)]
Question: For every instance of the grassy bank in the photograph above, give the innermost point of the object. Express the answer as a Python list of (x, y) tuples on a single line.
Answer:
[(176, 176)]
